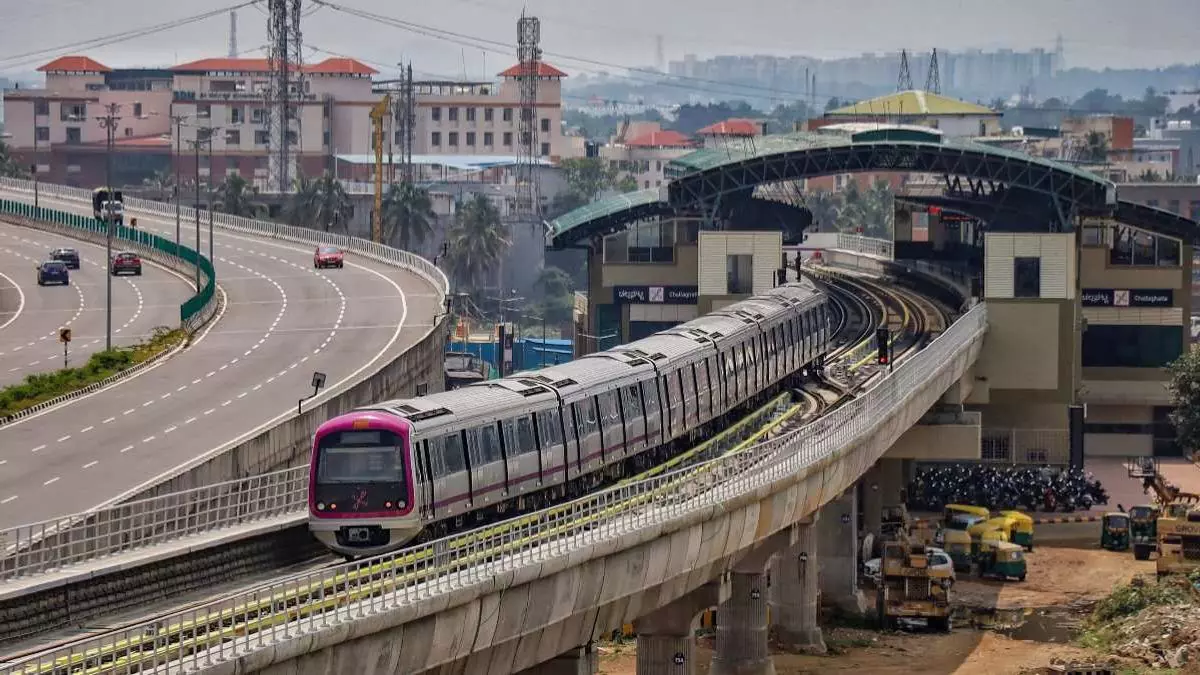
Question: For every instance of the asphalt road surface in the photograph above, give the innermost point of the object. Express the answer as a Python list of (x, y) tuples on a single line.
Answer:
[(29, 337), (283, 321)]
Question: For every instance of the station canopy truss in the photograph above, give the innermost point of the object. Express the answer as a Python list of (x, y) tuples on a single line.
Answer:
[(698, 183)]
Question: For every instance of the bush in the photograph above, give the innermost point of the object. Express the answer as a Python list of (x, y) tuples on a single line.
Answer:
[(102, 365), (1138, 595)]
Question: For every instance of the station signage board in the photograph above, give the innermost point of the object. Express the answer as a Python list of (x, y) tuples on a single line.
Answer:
[(1128, 297), (656, 295)]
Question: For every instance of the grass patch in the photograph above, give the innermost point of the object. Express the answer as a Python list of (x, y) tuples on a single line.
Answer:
[(1100, 629), (41, 387)]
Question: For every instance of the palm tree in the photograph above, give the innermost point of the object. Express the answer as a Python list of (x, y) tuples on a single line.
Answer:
[(407, 213), (476, 242), (323, 201), (825, 207), (235, 197)]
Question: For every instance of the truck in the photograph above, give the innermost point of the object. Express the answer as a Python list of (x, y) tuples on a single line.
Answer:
[(1178, 539), (105, 204), (910, 588)]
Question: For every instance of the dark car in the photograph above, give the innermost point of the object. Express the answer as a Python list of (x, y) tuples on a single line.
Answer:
[(126, 261), (327, 256), (53, 272), (66, 255)]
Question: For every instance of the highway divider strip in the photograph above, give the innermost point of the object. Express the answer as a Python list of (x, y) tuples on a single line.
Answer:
[(1067, 519)]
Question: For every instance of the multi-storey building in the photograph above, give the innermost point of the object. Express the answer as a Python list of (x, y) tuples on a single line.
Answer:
[(641, 150), (162, 112)]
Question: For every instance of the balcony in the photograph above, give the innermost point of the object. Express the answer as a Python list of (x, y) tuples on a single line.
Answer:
[(184, 96)]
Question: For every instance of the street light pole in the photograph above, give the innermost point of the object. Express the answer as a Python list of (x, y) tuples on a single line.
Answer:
[(108, 122), (178, 120), (34, 117)]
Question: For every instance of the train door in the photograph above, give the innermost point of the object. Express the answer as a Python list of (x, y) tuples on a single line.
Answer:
[(555, 459), (455, 477), (700, 381), (671, 404), (654, 420), (612, 433), (587, 425), (487, 464), (512, 457), (574, 440), (425, 474), (635, 419)]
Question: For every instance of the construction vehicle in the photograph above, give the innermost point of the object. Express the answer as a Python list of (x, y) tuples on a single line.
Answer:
[(893, 521), (1143, 530), (1178, 539), (909, 588), (1146, 468)]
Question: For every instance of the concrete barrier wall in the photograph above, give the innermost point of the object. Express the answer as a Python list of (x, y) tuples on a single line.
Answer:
[(512, 620)]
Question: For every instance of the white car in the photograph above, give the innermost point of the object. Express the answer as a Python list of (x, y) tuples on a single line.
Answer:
[(938, 560)]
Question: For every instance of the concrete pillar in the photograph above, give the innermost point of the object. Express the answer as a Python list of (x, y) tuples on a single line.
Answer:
[(882, 486), (666, 637), (578, 661), (742, 647), (837, 540), (794, 592)]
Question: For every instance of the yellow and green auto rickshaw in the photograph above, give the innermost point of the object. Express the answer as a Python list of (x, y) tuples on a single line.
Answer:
[(1022, 530), (1114, 531), (952, 510), (995, 529), (957, 544), (1001, 559)]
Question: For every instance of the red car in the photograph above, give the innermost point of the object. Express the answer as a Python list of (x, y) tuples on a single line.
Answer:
[(327, 256)]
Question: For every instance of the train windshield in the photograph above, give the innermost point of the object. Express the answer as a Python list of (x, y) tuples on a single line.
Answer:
[(360, 457)]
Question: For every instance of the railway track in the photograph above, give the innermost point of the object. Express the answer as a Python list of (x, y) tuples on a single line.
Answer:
[(211, 623)]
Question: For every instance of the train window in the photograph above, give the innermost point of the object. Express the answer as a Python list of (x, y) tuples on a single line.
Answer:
[(608, 404), (489, 443), (552, 429), (631, 402), (650, 396), (455, 460), (508, 428), (474, 451), (525, 439)]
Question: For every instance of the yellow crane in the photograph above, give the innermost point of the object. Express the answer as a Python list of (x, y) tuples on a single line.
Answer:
[(378, 114)]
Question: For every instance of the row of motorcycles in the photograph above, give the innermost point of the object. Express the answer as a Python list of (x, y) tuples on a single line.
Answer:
[(1005, 488)]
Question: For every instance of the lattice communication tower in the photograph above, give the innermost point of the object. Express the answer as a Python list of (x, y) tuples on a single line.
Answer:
[(529, 35), (904, 81), (406, 116), (286, 84), (933, 81)]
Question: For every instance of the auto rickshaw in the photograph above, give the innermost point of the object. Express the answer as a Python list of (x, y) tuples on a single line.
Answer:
[(955, 509), (1143, 530), (957, 545), (1022, 530), (1001, 559), (989, 527), (1114, 531)]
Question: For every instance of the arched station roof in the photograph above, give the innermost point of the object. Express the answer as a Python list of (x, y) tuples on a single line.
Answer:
[(699, 179)]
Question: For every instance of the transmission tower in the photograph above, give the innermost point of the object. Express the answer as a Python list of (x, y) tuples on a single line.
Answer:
[(408, 125), (529, 34), (933, 81), (904, 83), (284, 57), (233, 52)]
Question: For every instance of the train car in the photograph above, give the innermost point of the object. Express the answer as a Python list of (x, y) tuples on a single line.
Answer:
[(425, 467)]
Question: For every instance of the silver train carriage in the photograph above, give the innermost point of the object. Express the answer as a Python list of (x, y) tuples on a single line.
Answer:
[(487, 450)]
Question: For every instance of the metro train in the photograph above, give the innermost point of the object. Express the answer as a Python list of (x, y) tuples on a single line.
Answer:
[(424, 467)]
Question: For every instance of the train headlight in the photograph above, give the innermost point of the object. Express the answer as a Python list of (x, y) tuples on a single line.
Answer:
[(387, 505), (320, 506), (400, 505)]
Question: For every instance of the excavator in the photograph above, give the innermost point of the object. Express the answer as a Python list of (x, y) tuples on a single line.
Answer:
[(1177, 526)]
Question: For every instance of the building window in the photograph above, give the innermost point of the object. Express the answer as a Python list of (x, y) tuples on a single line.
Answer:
[(545, 125), (258, 115), (237, 115), (43, 133), (1027, 277), (1143, 249), (1194, 211), (471, 136), (739, 273), (508, 139), (1152, 203), (74, 135), (489, 139), (435, 139), (507, 115), (453, 140), (1173, 206), (204, 110), (260, 137), (41, 107), (435, 114), (488, 114), (452, 114), (128, 132), (1106, 346), (326, 139), (545, 149), (470, 114), (74, 112), (137, 109), (233, 137)]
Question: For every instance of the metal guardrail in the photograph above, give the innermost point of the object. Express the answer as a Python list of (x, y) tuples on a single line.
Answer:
[(192, 311), (258, 228), (1025, 446), (118, 532), (146, 522), (259, 618), (856, 243)]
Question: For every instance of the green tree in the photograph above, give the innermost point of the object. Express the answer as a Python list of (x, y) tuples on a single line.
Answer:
[(407, 215), (235, 196), (557, 304), (825, 207), (1185, 396), (476, 242), (9, 167), (588, 176), (625, 184), (1095, 147), (322, 202)]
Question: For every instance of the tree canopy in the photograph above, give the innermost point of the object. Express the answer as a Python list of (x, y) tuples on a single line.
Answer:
[(1185, 396)]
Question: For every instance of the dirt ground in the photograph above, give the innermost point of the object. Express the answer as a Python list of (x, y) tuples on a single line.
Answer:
[(1057, 578)]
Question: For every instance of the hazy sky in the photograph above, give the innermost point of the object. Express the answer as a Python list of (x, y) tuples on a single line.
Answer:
[(1096, 33)]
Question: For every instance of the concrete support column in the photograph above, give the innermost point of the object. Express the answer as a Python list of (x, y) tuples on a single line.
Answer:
[(666, 636), (742, 627), (794, 593), (837, 535), (578, 661), (882, 487)]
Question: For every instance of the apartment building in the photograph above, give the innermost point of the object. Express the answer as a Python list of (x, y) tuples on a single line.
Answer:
[(641, 150)]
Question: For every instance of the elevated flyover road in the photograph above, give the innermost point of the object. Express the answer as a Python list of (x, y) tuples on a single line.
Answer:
[(29, 336), (282, 321)]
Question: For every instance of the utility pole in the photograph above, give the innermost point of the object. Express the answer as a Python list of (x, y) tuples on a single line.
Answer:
[(34, 117), (203, 135), (178, 120), (109, 122)]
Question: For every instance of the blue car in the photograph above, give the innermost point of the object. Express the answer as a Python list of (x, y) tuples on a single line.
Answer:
[(53, 272)]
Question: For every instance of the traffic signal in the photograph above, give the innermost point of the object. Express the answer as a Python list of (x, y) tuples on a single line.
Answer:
[(881, 344)]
